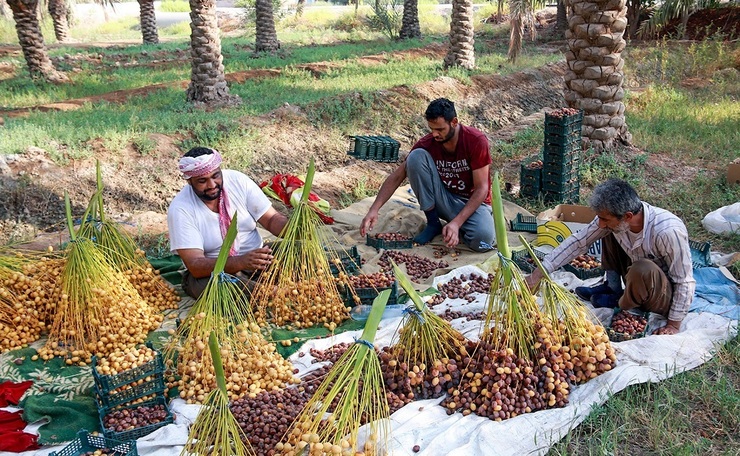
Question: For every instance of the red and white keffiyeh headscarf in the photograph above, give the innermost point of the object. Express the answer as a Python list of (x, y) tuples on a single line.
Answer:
[(204, 165)]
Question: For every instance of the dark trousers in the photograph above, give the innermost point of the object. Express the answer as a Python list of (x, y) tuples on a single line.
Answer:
[(194, 287), (646, 285)]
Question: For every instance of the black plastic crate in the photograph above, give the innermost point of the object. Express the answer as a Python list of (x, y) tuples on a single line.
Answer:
[(377, 148), (562, 149), (367, 295), (526, 223), (86, 442), (568, 196), (616, 336), (700, 257), (136, 433), (529, 191), (531, 176), (560, 171), (552, 121), (129, 394), (556, 185), (523, 259), (350, 260), (567, 134), (107, 383), (583, 273), (373, 241)]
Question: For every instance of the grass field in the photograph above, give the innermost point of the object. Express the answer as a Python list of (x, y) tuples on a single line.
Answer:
[(683, 109)]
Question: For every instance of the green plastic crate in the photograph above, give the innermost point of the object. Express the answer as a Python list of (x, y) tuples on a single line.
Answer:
[(379, 244), (520, 257), (571, 194), (367, 295), (107, 383), (377, 148), (616, 336), (530, 176), (563, 150), (526, 223), (582, 273), (86, 442), (136, 433), (350, 260), (552, 121), (109, 399)]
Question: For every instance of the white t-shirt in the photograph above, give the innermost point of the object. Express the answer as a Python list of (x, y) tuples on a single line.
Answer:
[(193, 226)]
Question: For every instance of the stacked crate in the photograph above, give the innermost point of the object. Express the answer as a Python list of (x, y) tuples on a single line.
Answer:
[(377, 148), (143, 386), (530, 177), (560, 156)]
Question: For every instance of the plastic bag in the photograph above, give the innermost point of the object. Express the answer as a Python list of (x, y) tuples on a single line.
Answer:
[(724, 220)]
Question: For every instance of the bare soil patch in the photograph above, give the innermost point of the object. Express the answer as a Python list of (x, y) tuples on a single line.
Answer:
[(707, 23)]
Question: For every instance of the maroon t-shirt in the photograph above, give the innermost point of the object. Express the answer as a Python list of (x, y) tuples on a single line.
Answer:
[(456, 168)]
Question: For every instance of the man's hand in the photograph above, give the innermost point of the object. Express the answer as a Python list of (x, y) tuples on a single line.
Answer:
[(533, 279), (256, 259), (451, 234), (368, 223), (672, 327)]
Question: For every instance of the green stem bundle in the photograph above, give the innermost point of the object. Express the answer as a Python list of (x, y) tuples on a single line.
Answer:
[(351, 394), (215, 431), (298, 288)]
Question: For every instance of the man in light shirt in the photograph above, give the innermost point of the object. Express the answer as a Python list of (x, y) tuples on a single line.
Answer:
[(645, 246), (199, 217)]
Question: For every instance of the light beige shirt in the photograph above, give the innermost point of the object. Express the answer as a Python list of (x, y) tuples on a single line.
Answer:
[(663, 240)]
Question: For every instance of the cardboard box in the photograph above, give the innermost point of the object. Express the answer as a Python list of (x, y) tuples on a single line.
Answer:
[(556, 224), (733, 173)]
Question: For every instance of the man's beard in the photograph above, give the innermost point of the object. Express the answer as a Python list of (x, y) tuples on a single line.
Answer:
[(205, 197), (622, 227), (449, 135)]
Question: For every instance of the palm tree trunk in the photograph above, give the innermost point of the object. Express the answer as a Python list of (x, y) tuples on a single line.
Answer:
[(207, 77), (148, 21), (25, 13), (595, 71), (266, 37), (410, 22), (633, 17), (561, 22), (58, 11), (462, 36), (300, 7)]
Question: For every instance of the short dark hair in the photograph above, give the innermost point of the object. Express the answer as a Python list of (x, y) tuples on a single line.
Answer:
[(615, 196), (441, 107), (198, 151)]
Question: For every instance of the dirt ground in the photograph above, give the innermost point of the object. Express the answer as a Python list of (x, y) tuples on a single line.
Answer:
[(140, 187)]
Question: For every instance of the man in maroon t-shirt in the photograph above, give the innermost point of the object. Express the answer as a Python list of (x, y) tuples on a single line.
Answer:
[(448, 169)]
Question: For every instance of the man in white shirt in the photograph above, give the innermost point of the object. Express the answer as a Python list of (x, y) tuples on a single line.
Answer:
[(645, 246), (199, 217)]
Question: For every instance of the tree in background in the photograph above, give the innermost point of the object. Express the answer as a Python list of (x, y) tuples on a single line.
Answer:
[(462, 36), (410, 22), (300, 7), (561, 22), (521, 14), (266, 37), (59, 10), (32, 41), (5, 10), (207, 77), (672, 9), (148, 21), (595, 73)]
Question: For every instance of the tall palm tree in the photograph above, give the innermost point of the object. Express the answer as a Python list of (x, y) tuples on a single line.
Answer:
[(595, 74), (300, 7), (207, 77), (266, 37), (32, 41), (561, 22), (58, 10), (148, 21), (522, 18), (410, 22), (462, 36)]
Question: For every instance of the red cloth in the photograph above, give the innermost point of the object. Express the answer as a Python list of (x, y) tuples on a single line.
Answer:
[(284, 185), (12, 437), (11, 393), (11, 421), (18, 441)]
